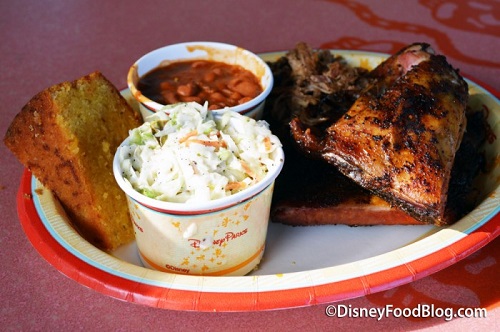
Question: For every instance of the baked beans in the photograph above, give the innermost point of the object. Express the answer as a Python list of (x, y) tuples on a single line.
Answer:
[(217, 83)]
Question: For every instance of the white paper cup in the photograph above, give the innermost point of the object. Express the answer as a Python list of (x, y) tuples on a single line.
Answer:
[(221, 237)]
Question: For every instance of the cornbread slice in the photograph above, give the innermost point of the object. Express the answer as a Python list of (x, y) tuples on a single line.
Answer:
[(67, 136)]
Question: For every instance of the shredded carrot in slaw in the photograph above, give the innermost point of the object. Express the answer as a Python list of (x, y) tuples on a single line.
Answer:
[(267, 143), (235, 185), (215, 144), (247, 169), (188, 135)]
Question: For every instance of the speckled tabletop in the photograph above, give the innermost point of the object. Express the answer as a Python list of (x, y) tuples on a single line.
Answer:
[(46, 42)]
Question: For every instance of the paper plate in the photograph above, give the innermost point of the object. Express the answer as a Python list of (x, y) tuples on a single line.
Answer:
[(302, 266)]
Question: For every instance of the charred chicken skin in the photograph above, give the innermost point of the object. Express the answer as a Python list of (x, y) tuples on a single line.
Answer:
[(400, 137)]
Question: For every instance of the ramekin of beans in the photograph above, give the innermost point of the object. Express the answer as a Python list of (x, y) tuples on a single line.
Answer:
[(219, 74)]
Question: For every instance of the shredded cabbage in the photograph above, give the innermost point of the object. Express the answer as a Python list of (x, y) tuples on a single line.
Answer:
[(183, 154)]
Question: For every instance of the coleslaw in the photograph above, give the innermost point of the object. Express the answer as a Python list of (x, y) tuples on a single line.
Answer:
[(183, 153)]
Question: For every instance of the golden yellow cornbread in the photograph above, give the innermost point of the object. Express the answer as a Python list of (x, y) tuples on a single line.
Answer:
[(67, 136)]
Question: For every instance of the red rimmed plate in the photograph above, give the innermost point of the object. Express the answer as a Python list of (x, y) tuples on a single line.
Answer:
[(301, 266)]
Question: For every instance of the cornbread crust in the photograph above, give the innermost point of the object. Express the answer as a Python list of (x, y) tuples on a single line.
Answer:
[(66, 136)]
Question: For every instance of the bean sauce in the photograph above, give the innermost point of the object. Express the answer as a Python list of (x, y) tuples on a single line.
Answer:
[(218, 83)]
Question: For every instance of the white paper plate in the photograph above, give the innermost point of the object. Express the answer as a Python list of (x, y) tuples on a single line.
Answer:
[(301, 266)]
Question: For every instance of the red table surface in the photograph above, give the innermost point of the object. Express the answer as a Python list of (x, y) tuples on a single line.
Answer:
[(46, 42)]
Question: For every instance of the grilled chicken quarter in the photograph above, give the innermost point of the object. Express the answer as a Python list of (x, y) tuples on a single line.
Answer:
[(400, 137)]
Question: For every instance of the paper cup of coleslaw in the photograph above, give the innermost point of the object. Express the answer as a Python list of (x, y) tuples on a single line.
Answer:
[(199, 189)]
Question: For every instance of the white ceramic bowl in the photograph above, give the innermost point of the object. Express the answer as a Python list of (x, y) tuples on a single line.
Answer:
[(225, 236), (214, 51)]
